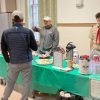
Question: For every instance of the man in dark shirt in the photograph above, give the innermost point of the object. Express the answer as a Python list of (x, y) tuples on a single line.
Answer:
[(17, 44)]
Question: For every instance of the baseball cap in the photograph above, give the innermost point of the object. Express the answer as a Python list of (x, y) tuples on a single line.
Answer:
[(46, 18), (17, 13)]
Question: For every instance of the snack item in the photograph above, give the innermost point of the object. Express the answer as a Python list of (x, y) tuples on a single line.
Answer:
[(44, 61), (43, 56)]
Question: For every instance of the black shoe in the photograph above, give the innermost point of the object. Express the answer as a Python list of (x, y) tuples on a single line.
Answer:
[(3, 98)]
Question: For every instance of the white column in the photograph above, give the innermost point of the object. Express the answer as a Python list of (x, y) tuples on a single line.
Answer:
[(3, 5), (21, 5)]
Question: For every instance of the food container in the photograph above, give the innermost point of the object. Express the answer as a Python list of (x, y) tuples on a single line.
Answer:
[(83, 66)]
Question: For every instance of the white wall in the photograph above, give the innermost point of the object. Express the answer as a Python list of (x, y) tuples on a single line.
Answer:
[(77, 35), (68, 13)]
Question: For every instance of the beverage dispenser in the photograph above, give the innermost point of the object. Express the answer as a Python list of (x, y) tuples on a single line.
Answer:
[(69, 51)]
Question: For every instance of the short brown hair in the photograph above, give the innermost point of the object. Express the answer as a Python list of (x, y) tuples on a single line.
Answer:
[(97, 15), (17, 19)]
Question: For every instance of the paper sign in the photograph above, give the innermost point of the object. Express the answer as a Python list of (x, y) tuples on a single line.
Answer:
[(58, 57), (95, 88)]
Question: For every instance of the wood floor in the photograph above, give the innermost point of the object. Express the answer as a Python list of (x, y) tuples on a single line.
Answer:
[(16, 96)]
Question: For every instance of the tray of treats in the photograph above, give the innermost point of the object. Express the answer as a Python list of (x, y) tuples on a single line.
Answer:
[(44, 61)]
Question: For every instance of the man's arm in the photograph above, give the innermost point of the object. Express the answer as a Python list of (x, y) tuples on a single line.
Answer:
[(4, 49), (55, 39), (33, 44), (36, 29), (91, 44), (91, 38)]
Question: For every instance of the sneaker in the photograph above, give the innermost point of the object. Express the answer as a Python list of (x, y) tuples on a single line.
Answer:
[(3, 98)]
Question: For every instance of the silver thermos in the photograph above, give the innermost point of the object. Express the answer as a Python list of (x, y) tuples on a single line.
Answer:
[(69, 51)]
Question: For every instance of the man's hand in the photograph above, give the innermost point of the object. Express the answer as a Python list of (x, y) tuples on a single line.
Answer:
[(36, 28)]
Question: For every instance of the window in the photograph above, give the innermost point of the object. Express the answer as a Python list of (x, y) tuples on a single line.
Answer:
[(37, 9), (33, 15)]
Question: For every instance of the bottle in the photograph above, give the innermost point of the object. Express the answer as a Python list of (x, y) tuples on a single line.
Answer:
[(83, 66), (76, 57), (94, 65)]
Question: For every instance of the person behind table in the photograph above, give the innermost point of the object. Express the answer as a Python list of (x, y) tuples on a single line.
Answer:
[(17, 44), (49, 37), (95, 38)]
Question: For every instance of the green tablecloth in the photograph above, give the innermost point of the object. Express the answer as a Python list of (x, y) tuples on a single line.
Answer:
[(3, 70), (49, 80)]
